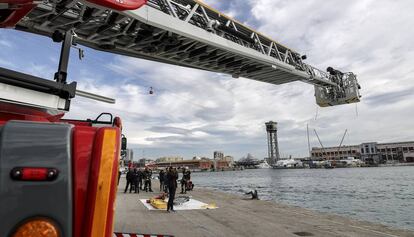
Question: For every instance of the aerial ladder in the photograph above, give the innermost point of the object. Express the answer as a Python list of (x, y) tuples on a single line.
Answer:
[(58, 176), (186, 33)]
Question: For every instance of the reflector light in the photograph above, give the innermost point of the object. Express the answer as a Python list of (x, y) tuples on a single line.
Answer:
[(41, 227), (34, 174)]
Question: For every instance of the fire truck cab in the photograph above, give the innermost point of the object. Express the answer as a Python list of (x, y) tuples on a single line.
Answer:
[(58, 177)]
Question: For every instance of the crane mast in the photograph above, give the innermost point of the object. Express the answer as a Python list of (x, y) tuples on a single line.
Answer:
[(189, 33)]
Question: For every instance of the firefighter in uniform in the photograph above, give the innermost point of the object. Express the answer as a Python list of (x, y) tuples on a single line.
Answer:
[(147, 179), (140, 177), (172, 177), (129, 179), (166, 180), (162, 180), (184, 181), (135, 180)]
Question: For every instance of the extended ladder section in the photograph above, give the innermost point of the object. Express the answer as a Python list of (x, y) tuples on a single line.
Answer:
[(191, 34), (53, 97), (28, 90)]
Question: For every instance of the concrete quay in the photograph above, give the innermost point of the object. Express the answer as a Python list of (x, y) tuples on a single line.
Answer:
[(236, 217)]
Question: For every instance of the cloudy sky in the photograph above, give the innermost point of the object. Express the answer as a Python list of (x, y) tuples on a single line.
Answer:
[(195, 112)]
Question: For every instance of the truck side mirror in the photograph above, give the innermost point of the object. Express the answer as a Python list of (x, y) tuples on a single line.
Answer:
[(123, 143)]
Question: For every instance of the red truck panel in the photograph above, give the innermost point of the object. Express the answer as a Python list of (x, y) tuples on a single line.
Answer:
[(87, 147), (99, 163), (83, 139), (95, 157), (120, 5), (18, 112), (17, 10)]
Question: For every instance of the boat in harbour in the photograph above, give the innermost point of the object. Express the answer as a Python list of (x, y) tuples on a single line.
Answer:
[(263, 165), (288, 164)]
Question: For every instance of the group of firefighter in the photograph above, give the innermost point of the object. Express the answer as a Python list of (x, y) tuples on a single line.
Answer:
[(138, 179), (168, 184), (170, 176)]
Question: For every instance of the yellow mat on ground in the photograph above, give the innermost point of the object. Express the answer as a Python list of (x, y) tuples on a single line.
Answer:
[(190, 205)]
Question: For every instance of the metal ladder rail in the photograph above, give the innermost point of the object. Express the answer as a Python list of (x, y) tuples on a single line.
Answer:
[(201, 15), (120, 23), (226, 47)]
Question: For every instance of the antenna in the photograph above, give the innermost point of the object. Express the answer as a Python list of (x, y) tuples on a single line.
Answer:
[(309, 149)]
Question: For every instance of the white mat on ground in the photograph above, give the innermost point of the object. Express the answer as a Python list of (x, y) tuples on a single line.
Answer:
[(190, 205)]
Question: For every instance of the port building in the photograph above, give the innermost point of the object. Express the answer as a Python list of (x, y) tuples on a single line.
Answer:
[(169, 159), (371, 152), (202, 164)]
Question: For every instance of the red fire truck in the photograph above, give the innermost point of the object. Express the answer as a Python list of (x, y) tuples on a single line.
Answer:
[(58, 177)]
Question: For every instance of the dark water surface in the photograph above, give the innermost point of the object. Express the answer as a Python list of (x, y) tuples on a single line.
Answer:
[(381, 195)]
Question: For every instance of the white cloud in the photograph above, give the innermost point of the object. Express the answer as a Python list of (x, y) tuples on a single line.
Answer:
[(5, 43)]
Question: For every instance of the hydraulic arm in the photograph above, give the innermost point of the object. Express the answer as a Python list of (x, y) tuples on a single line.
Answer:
[(191, 34)]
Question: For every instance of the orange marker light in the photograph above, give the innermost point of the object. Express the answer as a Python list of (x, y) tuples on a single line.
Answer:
[(37, 228)]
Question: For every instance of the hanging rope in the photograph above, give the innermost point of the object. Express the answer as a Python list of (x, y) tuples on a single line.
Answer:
[(316, 113), (356, 110)]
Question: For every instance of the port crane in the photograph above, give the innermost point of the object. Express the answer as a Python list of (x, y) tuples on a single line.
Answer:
[(61, 174)]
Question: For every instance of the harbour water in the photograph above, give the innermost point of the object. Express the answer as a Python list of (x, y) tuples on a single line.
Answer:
[(380, 195)]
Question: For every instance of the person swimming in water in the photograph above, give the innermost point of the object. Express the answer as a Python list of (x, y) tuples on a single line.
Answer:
[(254, 194)]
